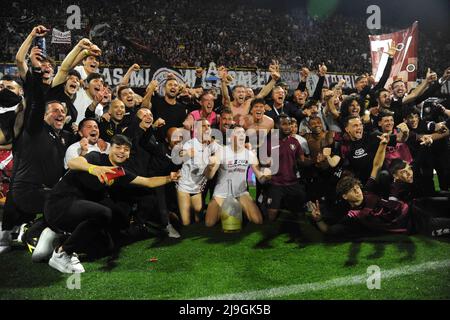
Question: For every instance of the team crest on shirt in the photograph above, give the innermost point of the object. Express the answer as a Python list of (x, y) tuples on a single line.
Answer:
[(292, 147)]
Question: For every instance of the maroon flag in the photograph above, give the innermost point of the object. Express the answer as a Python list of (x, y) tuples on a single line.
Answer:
[(404, 65)]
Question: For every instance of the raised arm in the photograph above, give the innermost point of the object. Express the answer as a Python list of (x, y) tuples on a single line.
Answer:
[(274, 69), (318, 90), (126, 78), (387, 69), (304, 73), (380, 155), (225, 79), (82, 48), (421, 88), (149, 92), (34, 113), (21, 63)]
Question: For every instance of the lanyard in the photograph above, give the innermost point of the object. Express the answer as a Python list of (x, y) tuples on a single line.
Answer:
[(276, 111)]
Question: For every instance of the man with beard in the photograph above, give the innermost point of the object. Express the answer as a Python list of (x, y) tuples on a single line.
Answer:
[(39, 161), (383, 104), (128, 97), (363, 84), (225, 123), (42, 63), (168, 108), (90, 141), (359, 150), (284, 184), (115, 124), (312, 108), (400, 100), (66, 92)]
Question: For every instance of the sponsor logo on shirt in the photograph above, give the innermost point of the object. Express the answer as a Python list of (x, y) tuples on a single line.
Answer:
[(359, 153)]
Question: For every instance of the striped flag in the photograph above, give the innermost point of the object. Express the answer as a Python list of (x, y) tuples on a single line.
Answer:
[(404, 65)]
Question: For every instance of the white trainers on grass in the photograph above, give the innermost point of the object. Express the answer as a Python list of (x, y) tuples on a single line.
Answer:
[(172, 232), (44, 246), (66, 263)]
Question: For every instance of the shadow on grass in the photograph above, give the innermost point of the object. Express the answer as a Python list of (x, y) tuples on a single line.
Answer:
[(18, 271), (300, 231), (199, 232)]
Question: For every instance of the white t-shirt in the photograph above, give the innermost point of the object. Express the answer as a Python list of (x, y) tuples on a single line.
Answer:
[(82, 72), (74, 150), (82, 102), (303, 143), (233, 166), (192, 178)]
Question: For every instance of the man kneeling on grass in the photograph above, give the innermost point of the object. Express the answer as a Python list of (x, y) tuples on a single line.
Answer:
[(370, 213), (79, 203)]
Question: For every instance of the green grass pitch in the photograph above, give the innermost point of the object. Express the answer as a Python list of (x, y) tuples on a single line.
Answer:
[(208, 263)]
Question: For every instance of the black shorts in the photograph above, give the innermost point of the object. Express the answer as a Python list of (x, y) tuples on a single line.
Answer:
[(276, 194)]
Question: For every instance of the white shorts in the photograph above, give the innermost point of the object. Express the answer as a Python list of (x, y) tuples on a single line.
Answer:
[(225, 195)]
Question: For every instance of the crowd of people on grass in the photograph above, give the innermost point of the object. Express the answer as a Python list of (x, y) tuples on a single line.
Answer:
[(95, 167)]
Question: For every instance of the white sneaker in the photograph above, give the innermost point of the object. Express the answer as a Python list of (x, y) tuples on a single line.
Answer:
[(23, 228), (172, 232), (76, 264), (66, 263), (44, 246), (5, 241)]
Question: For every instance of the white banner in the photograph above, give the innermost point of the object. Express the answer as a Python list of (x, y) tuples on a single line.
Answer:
[(61, 37), (255, 79)]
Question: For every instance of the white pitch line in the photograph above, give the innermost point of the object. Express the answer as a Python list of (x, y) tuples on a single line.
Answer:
[(338, 282)]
